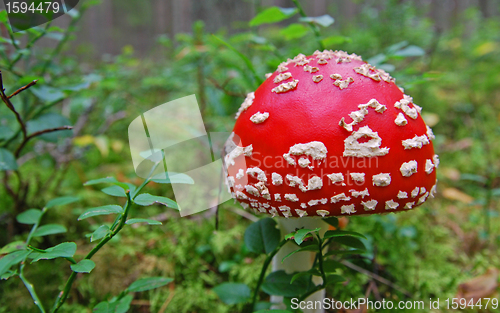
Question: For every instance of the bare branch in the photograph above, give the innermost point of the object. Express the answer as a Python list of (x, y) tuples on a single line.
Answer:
[(38, 133), (223, 88), (23, 88), (7, 102), (376, 277)]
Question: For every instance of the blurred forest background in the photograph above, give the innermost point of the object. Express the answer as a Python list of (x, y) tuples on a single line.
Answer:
[(101, 67)]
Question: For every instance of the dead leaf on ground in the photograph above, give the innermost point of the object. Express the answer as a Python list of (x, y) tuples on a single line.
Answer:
[(483, 286), (450, 173), (455, 194)]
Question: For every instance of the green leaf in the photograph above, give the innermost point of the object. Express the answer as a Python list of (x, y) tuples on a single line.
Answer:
[(11, 259), (342, 233), (312, 247), (84, 266), (225, 266), (308, 273), (272, 15), (142, 220), (330, 266), (7, 160), (474, 177), (8, 274), (61, 201), (258, 79), (144, 284), (104, 307), (273, 311), (351, 242), (106, 180), (13, 246), (334, 279), (115, 191), (102, 210), (335, 40), (344, 252), (55, 36), (111, 180), (172, 178), (5, 133), (49, 229), (49, 121), (278, 284), (262, 236), (123, 305), (233, 293), (29, 217), (120, 306), (410, 51), (62, 250), (99, 233), (47, 94), (323, 20), (495, 192), (332, 221), (294, 31), (146, 199), (301, 234)]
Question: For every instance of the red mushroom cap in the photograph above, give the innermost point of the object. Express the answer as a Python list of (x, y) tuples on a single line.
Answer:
[(330, 135)]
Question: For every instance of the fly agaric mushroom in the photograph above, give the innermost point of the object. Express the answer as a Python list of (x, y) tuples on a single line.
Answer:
[(330, 135)]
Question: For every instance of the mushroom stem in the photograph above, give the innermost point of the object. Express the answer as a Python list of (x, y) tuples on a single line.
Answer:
[(301, 261)]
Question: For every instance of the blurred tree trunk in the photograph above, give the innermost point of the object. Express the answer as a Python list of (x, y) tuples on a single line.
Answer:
[(485, 8)]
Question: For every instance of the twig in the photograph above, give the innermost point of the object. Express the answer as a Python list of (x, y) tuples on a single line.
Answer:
[(167, 302), (110, 120), (15, 93), (222, 88), (7, 102), (263, 271), (314, 27), (245, 214), (376, 277), (38, 133)]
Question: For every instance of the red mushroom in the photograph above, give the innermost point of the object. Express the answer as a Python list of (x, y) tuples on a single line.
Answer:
[(330, 135)]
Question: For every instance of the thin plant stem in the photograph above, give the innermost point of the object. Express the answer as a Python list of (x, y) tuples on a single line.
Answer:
[(115, 229), (313, 26), (263, 271), (67, 287), (29, 45), (11, 107), (29, 285), (319, 257), (61, 43)]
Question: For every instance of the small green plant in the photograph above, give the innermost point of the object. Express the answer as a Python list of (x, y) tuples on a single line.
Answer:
[(18, 254), (263, 237)]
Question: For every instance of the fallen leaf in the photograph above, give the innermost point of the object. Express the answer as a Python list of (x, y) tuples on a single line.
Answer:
[(450, 173), (455, 194), (431, 119), (480, 287)]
